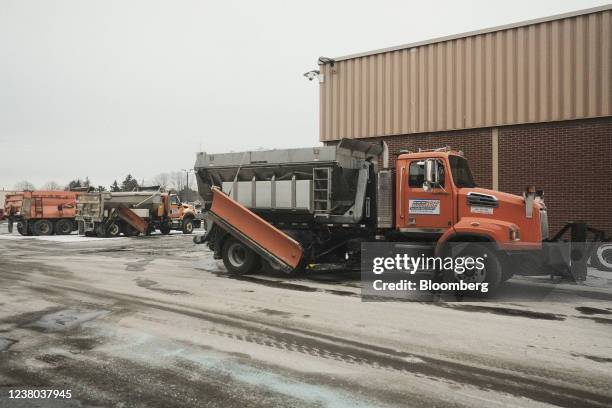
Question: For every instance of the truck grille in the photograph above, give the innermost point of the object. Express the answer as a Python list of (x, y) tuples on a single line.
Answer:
[(482, 200), (544, 223)]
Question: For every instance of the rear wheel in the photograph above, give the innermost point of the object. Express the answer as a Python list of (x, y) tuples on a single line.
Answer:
[(130, 231), (113, 230), (43, 227), (187, 225), (238, 259), (164, 228), (63, 227), (21, 228)]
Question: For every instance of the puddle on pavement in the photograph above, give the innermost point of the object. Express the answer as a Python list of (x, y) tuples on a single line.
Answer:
[(504, 311), (5, 343), (593, 311), (66, 319), (157, 351), (152, 285)]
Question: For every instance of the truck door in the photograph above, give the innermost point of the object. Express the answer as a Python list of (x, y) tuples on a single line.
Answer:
[(424, 211), (175, 204)]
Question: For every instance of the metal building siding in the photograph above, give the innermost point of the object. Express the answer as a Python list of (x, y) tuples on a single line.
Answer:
[(548, 71)]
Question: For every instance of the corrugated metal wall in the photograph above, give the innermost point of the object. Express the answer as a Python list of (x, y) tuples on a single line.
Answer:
[(548, 71)]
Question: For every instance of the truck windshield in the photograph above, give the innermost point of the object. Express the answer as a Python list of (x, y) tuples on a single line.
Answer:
[(462, 175)]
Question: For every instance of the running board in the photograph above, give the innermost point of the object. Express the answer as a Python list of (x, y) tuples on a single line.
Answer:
[(253, 231)]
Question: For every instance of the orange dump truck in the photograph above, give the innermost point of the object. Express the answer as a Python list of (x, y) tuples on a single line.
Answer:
[(292, 208), (41, 212)]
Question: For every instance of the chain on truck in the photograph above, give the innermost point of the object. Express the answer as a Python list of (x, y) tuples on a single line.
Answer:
[(296, 208)]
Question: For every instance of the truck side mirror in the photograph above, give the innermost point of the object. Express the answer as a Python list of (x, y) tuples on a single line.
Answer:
[(432, 178)]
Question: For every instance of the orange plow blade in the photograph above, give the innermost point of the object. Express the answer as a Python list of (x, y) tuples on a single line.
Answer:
[(131, 218), (255, 232)]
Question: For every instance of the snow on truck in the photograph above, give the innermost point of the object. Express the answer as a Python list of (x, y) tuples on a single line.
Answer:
[(41, 212), (109, 214), (303, 207)]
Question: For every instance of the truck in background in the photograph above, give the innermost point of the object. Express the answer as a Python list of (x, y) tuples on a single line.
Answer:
[(296, 207), (109, 214), (41, 212)]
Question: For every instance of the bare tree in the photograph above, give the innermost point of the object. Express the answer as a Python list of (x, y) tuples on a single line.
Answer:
[(177, 180), (51, 185), (24, 185), (162, 180)]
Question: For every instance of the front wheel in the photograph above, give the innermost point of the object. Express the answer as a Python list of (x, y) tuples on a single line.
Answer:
[(187, 226), (490, 274), (238, 259)]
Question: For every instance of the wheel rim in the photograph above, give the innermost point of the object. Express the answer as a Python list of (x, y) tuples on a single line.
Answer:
[(236, 255), (65, 228), (20, 228), (44, 228), (604, 255), (113, 230), (476, 275), (189, 227)]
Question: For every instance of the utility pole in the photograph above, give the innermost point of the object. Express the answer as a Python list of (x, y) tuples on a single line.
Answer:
[(187, 171)]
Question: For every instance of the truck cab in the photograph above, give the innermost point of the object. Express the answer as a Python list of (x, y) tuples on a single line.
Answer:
[(181, 216), (437, 197)]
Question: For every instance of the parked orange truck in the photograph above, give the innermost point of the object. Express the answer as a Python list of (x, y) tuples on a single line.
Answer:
[(41, 212), (109, 214), (304, 207)]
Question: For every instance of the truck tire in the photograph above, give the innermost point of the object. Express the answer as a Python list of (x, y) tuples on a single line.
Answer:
[(21, 228), (43, 227), (101, 231), (113, 230), (602, 257), (63, 227), (165, 228), (490, 274), (130, 231), (238, 259), (188, 225)]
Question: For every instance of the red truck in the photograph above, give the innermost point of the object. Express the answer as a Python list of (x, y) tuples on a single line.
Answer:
[(41, 212)]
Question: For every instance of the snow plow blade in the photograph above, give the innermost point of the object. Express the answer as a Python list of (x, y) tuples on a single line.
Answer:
[(256, 233), (132, 218)]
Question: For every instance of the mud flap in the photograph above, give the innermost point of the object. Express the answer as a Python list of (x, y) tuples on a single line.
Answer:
[(256, 233), (10, 226)]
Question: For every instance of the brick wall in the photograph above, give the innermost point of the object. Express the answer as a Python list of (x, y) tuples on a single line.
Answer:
[(571, 161)]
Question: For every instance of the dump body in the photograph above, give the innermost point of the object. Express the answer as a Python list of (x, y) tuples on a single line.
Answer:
[(322, 184), (41, 212), (33, 205)]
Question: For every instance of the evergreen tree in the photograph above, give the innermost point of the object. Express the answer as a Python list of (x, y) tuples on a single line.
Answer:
[(115, 187)]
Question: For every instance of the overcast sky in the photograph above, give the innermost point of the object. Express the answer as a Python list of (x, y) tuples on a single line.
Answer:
[(105, 88)]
